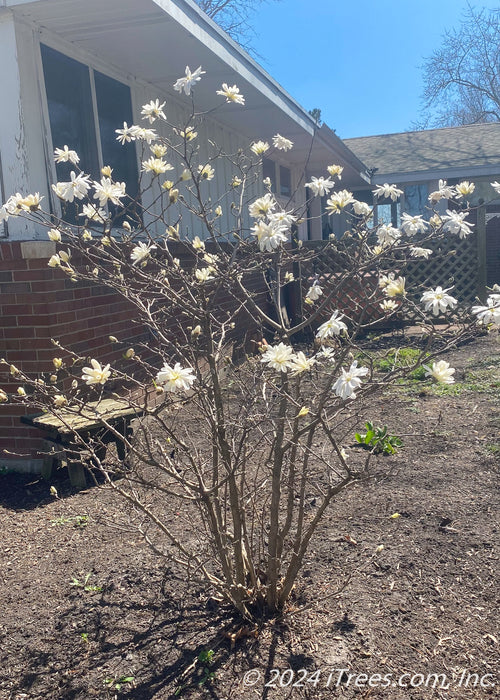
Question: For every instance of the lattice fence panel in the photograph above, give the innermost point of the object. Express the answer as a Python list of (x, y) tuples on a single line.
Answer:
[(453, 264)]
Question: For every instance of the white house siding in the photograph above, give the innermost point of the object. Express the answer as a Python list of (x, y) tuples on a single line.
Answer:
[(26, 145)]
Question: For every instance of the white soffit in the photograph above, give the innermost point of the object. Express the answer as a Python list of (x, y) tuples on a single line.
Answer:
[(154, 40)]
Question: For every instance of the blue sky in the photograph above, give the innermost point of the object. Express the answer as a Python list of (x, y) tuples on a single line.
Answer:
[(357, 60)]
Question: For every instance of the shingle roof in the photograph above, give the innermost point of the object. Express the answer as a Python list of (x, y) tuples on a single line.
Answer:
[(469, 146)]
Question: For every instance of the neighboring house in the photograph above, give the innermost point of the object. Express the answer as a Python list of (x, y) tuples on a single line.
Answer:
[(417, 160), (72, 72)]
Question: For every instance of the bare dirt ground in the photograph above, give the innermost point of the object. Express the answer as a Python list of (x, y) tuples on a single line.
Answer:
[(87, 610)]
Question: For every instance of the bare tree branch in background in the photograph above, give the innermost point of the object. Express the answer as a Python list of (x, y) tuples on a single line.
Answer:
[(462, 77), (233, 16)]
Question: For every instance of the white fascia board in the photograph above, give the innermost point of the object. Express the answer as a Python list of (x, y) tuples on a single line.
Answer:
[(189, 15)]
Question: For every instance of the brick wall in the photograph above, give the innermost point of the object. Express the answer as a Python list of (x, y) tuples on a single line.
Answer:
[(38, 303)]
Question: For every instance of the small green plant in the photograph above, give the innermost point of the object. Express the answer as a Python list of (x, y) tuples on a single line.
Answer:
[(205, 658), (378, 440), (116, 683), (85, 637), (85, 584), (79, 521)]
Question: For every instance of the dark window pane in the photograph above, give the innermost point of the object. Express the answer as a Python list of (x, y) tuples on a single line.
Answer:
[(285, 181), (269, 170), (114, 106), (69, 99), (416, 200)]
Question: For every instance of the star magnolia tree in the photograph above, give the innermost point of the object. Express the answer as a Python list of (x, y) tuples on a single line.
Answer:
[(235, 448)]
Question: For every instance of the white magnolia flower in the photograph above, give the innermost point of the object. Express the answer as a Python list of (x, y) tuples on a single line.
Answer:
[(454, 222), (188, 134), (76, 188), (441, 372), (189, 80), (335, 171), (153, 110), (282, 218), (158, 150), (438, 300), (338, 201), (232, 94), (444, 191), (236, 181), (319, 186), (349, 381), (65, 155), (279, 357), (204, 274), (269, 236), (96, 374), (127, 134), (198, 244), (281, 143), (60, 400), (147, 135), (334, 326), (3, 396), (384, 280), (262, 206), (314, 292), (206, 172), (416, 252), (464, 189), (389, 305), (395, 287), (489, 313), (361, 208), (259, 147), (107, 190), (93, 213), (54, 235), (412, 224), (54, 261), (176, 378), (301, 363), (29, 203), (327, 354), (387, 191), (387, 235), (141, 252), (496, 186), (158, 166)]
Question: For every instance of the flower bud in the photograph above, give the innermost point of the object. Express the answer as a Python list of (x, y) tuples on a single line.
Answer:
[(130, 353), (57, 362), (196, 331), (20, 391), (173, 195)]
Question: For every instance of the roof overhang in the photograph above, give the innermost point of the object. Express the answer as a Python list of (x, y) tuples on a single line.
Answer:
[(154, 40)]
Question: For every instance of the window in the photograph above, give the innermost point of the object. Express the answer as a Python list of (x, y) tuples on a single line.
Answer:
[(69, 86), (416, 200), (280, 176)]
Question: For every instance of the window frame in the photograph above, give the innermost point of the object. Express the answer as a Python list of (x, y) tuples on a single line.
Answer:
[(276, 185), (92, 66)]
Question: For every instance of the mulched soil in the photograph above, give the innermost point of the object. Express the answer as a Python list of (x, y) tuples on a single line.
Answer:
[(427, 603)]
